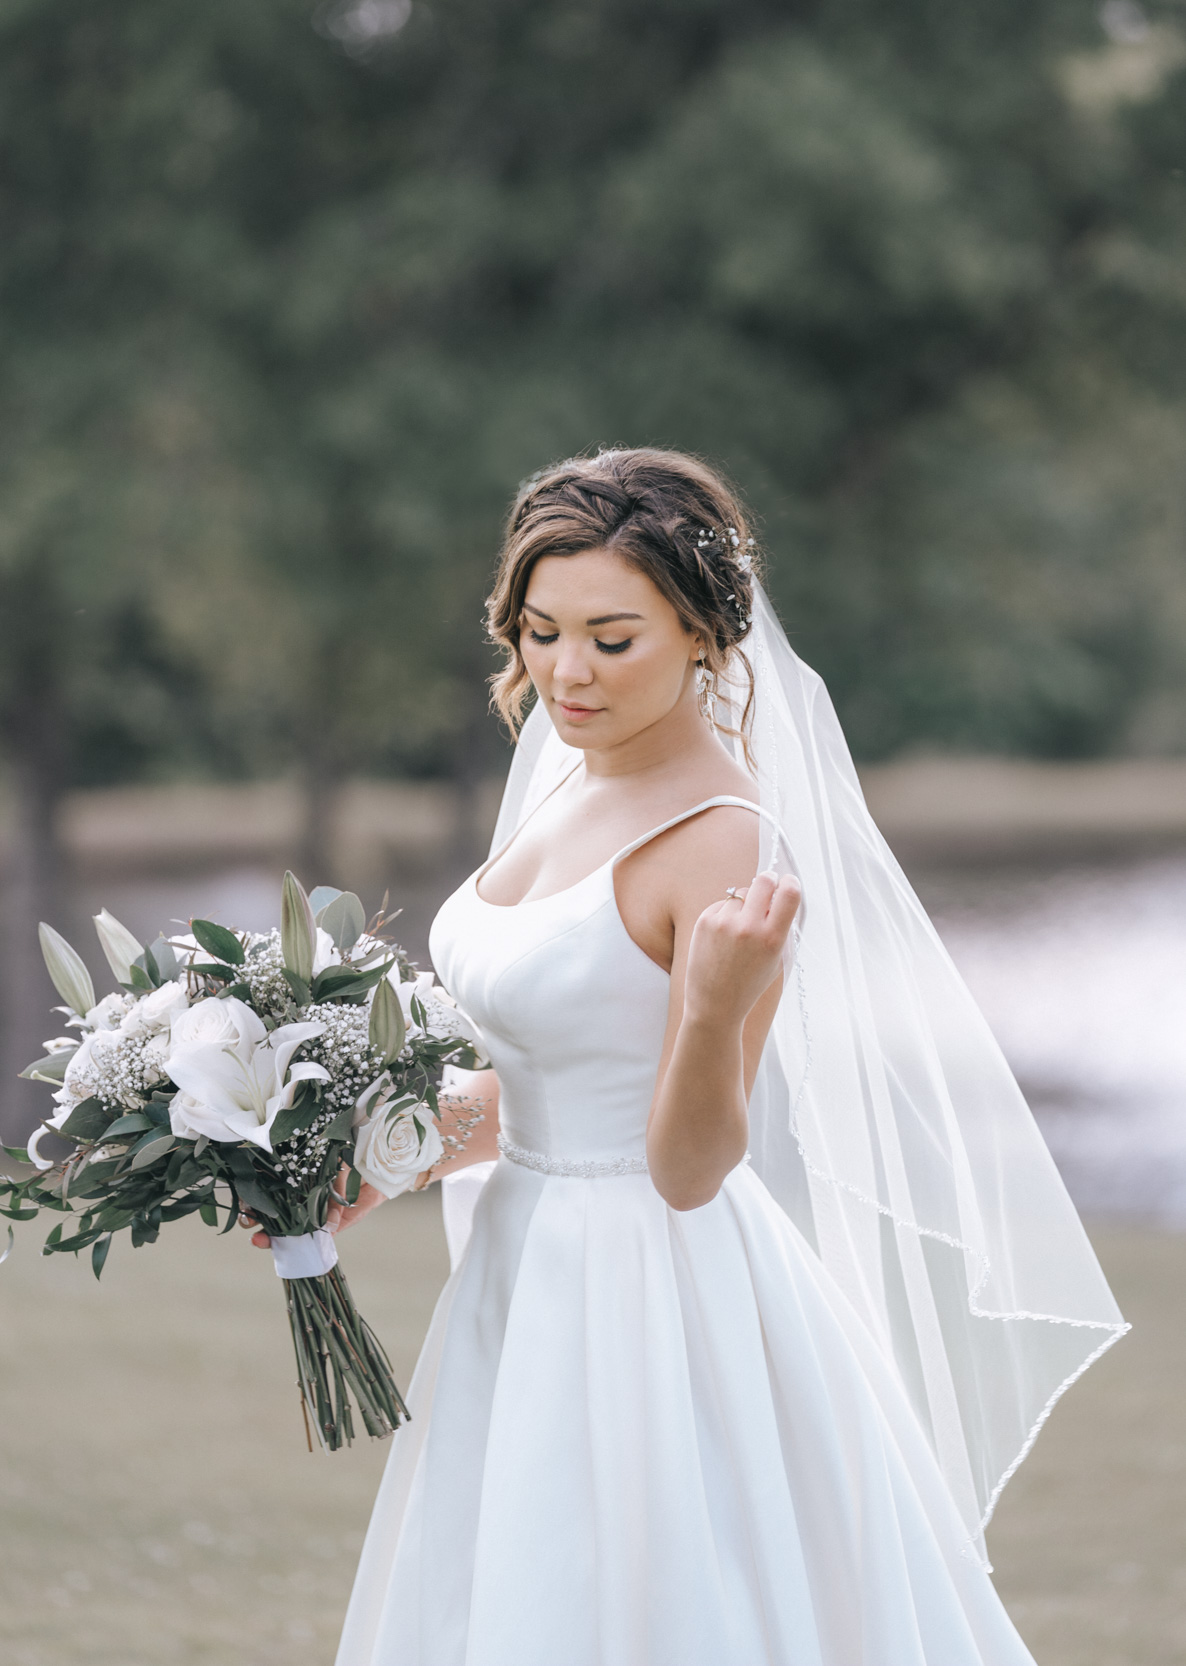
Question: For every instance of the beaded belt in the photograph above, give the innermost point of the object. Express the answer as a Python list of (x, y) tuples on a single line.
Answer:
[(574, 1168)]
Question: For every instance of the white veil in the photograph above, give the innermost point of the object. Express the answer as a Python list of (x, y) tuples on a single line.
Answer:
[(885, 1120)]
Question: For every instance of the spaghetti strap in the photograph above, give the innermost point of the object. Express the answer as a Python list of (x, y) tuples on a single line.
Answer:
[(686, 815)]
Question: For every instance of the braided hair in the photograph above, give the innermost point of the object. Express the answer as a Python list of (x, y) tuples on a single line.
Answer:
[(669, 516)]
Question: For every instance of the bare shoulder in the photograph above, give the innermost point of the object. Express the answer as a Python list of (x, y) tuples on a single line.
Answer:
[(698, 859)]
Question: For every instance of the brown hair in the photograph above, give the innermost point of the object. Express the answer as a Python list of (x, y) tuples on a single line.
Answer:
[(669, 515)]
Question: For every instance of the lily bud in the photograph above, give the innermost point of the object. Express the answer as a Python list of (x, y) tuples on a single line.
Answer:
[(118, 944), (64, 965), (297, 931), (387, 1029)]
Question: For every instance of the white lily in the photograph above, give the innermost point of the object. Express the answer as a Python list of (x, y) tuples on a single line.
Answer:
[(118, 944), (235, 1091)]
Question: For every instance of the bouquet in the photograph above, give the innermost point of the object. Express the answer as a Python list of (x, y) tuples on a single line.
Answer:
[(239, 1071)]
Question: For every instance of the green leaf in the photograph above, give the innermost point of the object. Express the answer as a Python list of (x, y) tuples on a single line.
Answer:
[(353, 1186), (387, 1031), (340, 1128), (148, 961), (320, 898), (299, 987), (52, 1068), (305, 1111), (338, 981), (166, 959), (67, 972), (151, 1147), (297, 930), (87, 1121), (99, 1254), (344, 918), (218, 941), (157, 1111), (135, 1122), (140, 981), (208, 1211)]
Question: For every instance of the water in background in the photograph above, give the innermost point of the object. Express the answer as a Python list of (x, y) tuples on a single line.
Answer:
[(1080, 970)]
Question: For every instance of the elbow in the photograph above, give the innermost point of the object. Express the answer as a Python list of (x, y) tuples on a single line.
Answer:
[(681, 1198)]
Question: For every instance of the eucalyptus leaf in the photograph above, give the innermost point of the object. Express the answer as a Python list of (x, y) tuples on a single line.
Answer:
[(66, 969), (99, 1254), (320, 898), (166, 959), (344, 918), (150, 1148), (135, 1122)]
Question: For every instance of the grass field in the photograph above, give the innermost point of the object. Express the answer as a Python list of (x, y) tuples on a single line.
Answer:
[(159, 1507)]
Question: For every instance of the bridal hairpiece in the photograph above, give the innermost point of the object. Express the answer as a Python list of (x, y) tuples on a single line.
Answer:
[(729, 544)]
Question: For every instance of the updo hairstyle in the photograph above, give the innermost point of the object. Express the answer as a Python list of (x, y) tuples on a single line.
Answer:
[(666, 514)]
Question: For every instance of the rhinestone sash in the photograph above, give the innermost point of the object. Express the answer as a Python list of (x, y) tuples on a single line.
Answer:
[(573, 1168)]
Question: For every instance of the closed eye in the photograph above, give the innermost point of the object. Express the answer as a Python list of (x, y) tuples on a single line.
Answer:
[(602, 647)]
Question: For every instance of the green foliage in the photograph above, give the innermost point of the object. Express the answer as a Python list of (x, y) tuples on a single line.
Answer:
[(292, 308)]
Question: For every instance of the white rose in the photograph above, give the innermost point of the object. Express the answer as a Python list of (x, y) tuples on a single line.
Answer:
[(214, 1021), (156, 1012), (106, 1015), (389, 1153)]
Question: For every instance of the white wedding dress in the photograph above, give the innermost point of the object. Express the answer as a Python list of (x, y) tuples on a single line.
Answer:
[(642, 1437)]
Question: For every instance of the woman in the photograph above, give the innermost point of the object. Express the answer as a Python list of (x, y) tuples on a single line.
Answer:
[(678, 1407)]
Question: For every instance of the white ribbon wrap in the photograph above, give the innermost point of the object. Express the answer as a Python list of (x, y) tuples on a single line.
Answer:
[(306, 1257)]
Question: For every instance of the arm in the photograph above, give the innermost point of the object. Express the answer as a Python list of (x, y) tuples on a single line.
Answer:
[(726, 979)]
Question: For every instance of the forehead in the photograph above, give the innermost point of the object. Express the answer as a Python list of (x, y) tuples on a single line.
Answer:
[(594, 582)]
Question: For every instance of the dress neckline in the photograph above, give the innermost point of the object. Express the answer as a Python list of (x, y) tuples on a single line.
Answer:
[(611, 862)]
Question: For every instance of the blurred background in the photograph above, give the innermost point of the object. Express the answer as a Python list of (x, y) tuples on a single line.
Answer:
[(292, 295)]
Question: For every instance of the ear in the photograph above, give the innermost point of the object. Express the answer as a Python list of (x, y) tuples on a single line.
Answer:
[(695, 646)]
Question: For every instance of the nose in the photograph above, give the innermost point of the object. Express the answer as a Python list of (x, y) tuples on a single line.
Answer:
[(572, 665)]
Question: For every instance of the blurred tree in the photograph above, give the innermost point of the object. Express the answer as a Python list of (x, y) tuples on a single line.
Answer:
[(294, 294)]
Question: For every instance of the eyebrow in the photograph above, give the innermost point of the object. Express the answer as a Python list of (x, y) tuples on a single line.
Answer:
[(601, 619)]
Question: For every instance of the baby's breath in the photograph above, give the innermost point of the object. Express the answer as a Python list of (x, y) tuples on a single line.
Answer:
[(263, 973)]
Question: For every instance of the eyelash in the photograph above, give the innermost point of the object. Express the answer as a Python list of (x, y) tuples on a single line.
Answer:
[(603, 647)]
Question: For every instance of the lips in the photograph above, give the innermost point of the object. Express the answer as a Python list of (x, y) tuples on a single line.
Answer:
[(577, 711)]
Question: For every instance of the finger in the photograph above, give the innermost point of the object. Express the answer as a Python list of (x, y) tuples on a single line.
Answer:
[(757, 898), (261, 1240), (784, 904)]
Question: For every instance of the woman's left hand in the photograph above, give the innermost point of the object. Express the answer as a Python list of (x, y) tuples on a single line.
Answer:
[(340, 1216), (736, 950)]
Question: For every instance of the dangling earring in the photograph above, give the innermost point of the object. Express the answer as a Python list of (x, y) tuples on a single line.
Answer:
[(706, 692)]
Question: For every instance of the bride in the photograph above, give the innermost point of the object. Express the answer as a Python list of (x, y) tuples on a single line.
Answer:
[(769, 1281)]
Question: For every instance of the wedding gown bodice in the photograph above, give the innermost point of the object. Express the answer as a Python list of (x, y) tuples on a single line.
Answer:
[(571, 1009)]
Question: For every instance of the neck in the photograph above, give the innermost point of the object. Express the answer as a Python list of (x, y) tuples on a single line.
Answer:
[(665, 747)]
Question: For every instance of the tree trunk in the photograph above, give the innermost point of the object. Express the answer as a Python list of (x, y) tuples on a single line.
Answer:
[(33, 890)]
